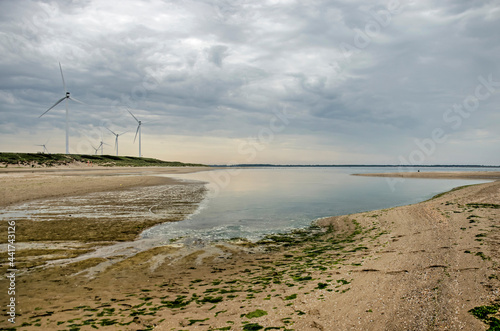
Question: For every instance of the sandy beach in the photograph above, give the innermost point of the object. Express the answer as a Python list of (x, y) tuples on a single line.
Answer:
[(25, 184), (417, 267)]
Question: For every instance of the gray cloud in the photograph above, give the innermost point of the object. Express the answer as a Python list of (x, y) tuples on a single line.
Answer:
[(217, 71)]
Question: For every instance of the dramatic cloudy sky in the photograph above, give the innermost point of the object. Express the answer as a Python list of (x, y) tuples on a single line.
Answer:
[(256, 81)]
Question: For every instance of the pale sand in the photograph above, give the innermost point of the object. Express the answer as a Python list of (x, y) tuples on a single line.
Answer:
[(418, 267), (21, 188), (20, 185), (495, 175)]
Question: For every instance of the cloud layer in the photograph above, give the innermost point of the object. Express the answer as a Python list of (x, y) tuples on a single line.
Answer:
[(276, 81)]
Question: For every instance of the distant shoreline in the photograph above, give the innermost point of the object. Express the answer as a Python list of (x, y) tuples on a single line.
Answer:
[(101, 169), (493, 175)]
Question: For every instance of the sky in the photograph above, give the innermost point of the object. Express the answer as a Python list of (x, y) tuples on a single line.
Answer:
[(255, 81)]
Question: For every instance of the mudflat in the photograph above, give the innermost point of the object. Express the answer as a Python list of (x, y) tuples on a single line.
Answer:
[(19, 185), (417, 267)]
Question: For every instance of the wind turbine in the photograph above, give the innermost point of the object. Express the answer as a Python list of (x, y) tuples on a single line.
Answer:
[(138, 131), (101, 145), (96, 149), (66, 97), (116, 139), (45, 150)]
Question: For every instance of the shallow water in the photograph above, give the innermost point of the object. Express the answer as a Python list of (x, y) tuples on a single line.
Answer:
[(241, 203), (250, 203)]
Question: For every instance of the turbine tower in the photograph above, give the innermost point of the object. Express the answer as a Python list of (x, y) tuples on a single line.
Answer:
[(116, 139), (101, 145), (66, 97), (138, 131)]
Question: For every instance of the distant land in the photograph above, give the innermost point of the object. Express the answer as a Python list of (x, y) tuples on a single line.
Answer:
[(356, 165), (37, 160)]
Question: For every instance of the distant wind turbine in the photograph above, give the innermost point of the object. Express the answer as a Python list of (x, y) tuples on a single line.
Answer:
[(101, 145), (138, 131), (116, 139), (66, 97), (96, 149), (45, 150)]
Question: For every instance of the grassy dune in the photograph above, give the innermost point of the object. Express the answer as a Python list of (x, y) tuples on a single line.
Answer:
[(50, 160)]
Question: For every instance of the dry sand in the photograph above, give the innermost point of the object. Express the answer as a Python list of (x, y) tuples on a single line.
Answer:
[(418, 267)]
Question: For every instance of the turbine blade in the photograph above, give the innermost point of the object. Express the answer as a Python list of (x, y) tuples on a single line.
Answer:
[(110, 131), (58, 102), (136, 132), (133, 116), (62, 76), (76, 100)]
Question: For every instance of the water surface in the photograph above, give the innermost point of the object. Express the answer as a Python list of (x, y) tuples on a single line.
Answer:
[(253, 202)]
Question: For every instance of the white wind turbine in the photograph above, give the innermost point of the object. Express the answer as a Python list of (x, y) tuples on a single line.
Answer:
[(101, 145), (138, 131), (66, 97), (45, 150), (116, 139)]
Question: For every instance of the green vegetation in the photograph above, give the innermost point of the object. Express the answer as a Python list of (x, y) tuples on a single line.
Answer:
[(210, 299), (256, 313), (252, 326), (49, 160), (483, 313), (301, 278), (322, 286), (177, 303), (307, 260), (483, 205), (481, 255), (444, 193), (191, 322)]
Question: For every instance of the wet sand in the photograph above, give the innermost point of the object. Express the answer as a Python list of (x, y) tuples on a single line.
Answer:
[(417, 267), (26, 184)]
